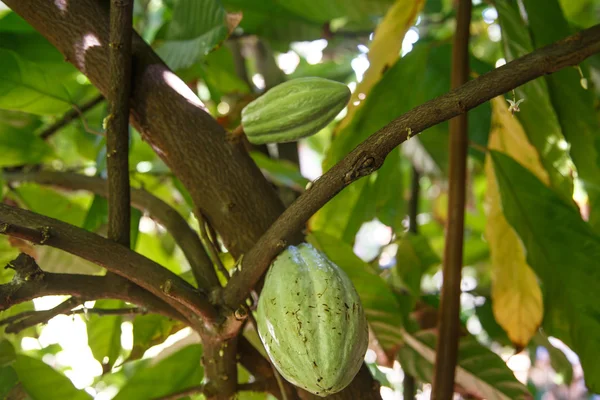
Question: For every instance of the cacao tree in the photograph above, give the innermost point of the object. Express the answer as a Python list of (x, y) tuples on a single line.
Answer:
[(437, 158)]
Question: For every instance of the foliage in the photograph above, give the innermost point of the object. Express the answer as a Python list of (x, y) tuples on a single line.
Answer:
[(532, 222)]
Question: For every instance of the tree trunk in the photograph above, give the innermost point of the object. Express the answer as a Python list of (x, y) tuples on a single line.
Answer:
[(221, 178)]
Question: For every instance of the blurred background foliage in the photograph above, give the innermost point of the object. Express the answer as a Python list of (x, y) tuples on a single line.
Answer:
[(530, 313)]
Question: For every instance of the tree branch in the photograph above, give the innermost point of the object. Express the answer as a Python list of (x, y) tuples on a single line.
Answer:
[(110, 255), (409, 383), (446, 354), (82, 287), (222, 179), (117, 126), (185, 237), (26, 319), (370, 154), (70, 116)]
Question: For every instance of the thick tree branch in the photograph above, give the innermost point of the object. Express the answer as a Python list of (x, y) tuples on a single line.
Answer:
[(370, 154), (110, 255), (223, 181), (185, 237), (117, 126), (70, 116), (83, 287), (446, 354)]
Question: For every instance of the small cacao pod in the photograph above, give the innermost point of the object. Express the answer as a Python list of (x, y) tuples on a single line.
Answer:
[(293, 110), (311, 321)]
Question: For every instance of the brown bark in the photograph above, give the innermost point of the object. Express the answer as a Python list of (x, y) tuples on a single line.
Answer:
[(222, 179), (446, 354), (117, 126)]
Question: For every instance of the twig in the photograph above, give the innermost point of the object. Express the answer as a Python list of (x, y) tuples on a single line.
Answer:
[(70, 116), (446, 354), (163, 213), (371, 153), (117, 126), (118, 259), (16, 324), (409, 383), (81, 287), (24, 320)]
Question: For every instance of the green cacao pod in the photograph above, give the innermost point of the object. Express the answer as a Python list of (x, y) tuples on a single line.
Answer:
[(311, 321), (293, 110)]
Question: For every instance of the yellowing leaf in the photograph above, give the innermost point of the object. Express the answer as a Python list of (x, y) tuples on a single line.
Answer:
[(516, 295), (384, 51)]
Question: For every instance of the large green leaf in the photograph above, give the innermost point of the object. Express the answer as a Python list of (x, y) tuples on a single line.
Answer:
[(563, 250), (574, 105), (480, 372), (8, 380), (281, 172), (324, 11), (421, 75), (414, 257), (18, 143), (25, 86), (537, 114), (559, 361), (196, 28), (42, 382), (49, 202), (179, 371), (150, 330), (104, 333), (381, 307)]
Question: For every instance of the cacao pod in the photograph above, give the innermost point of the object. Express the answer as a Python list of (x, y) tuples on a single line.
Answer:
[(311, 321), (293, 110)]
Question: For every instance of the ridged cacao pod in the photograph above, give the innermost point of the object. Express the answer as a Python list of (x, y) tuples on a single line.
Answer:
[(311, 321), (293, 110)]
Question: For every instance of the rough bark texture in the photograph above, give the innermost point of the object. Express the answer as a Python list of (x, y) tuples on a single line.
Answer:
[(222, 179), (117, 126)]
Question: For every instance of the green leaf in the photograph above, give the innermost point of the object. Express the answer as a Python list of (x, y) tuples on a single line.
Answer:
[(7, 254), (7, 353), (281, 172), (18, 143), (381, 307), (197, 27), (339, 70), (485, 314), (537, 114), (150, 330), (413, 258), (325, 11), (388, 191), (179, 371), (104, 333), (42, 382), (480, 372), (271, 20), (563, 250), (51, 203), (25, 86), (8, 380), (574, 105), (424, 73), (559, 361)]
